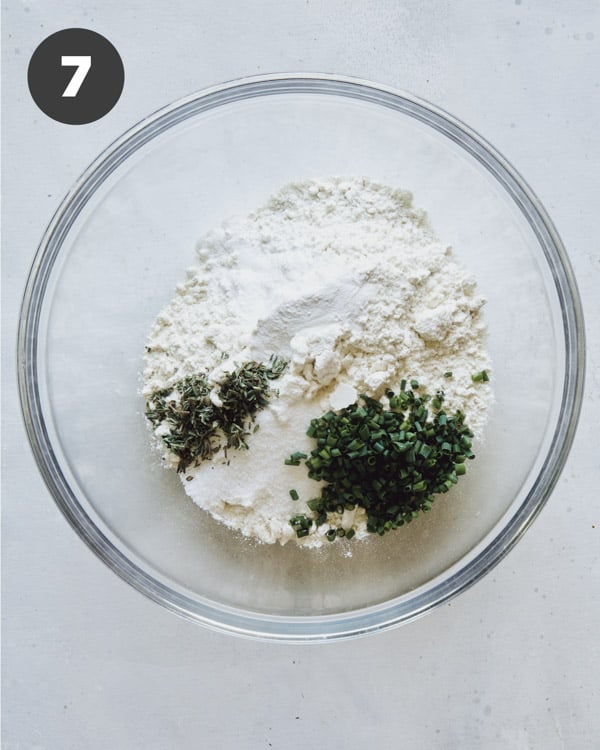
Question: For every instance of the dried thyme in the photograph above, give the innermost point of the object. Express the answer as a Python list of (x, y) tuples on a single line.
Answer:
[(198, 426)]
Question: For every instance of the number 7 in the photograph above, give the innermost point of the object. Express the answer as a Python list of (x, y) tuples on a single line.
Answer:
[(83, 63)]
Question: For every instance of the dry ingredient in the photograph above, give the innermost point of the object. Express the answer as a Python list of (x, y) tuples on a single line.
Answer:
[(344, 282), (196, 421)]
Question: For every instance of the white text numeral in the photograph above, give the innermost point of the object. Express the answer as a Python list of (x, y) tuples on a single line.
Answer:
[(83, 63)]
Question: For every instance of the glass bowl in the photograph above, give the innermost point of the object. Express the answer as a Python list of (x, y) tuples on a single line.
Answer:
[(110, 260)]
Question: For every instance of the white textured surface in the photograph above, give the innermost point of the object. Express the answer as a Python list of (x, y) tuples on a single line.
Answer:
[(513, 662)]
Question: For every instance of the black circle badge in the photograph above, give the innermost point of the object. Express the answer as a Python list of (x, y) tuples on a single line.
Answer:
[(75, 76)]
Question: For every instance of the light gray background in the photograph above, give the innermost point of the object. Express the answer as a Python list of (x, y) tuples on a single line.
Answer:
[(512, 663)]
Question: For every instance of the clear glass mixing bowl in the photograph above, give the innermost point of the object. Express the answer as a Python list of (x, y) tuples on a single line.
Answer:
[(110, 260)]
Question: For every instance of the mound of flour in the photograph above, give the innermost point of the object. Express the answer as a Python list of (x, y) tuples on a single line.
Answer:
[(347, 281)]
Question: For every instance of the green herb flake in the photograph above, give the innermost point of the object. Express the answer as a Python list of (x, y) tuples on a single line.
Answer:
[(197, 427)]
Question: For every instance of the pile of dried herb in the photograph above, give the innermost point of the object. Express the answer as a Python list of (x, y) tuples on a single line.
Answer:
[(390, 460), (197, 426)]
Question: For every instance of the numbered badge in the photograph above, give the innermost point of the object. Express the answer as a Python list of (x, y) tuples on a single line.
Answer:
[(75, 76)]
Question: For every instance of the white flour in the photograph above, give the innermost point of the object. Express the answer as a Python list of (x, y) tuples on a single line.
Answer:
[(346, 280)]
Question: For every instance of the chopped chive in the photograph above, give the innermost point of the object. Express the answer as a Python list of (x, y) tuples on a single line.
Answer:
[(294, 495), (448, 374), (389, 458)]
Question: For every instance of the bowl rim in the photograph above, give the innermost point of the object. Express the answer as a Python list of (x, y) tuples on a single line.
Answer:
[(355, 622)]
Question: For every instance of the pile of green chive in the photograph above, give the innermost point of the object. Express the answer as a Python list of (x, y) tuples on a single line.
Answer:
[(391, 460)]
